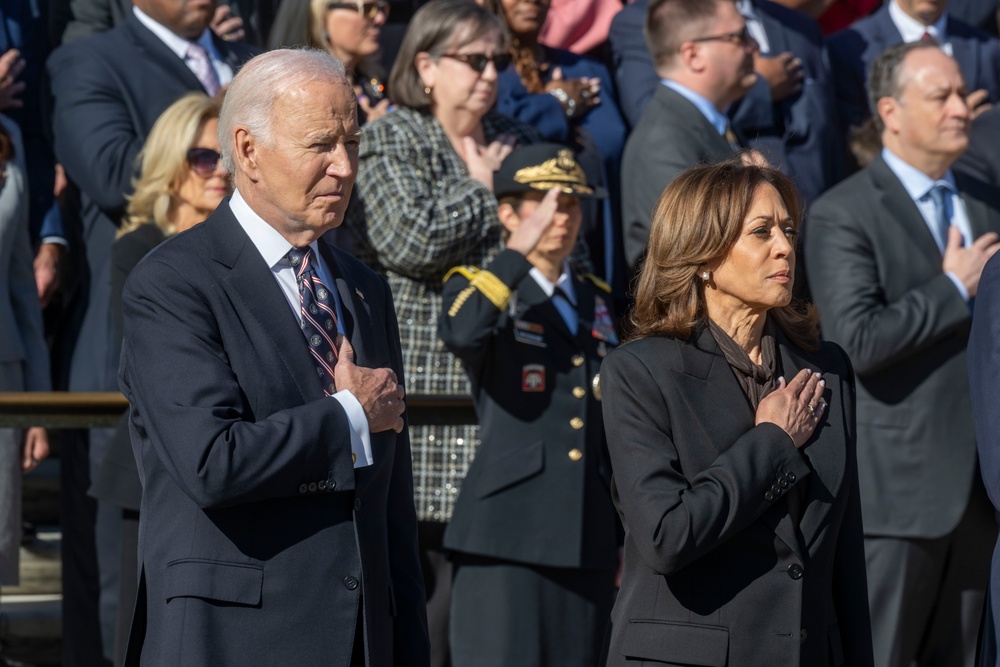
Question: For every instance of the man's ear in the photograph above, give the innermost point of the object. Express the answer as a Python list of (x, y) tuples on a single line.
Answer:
[(888, 111), (245, 153), (508, 217), (689, 57)]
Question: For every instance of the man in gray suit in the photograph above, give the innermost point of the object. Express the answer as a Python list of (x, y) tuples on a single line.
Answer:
[(704, 57), (894, 255)]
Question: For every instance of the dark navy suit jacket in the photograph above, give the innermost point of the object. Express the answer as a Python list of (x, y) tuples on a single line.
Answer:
[(799, 135), (258, 536), (852, 52)]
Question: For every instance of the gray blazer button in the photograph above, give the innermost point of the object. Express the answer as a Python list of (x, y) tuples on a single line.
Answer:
[(795, 571), (330, 485), (783, 483), (303, 488), (351, 583), (803, 636)]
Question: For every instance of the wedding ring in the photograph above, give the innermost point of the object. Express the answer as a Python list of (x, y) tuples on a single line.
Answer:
[(812, 407)]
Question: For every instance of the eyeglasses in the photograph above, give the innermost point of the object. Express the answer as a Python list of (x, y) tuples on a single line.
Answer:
[(203, 161), (739, 38), (369, 10), (478, 61)]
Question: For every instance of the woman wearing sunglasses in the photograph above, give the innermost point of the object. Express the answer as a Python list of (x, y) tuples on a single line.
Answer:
[(181, 182), (348, 30), (570, 100)]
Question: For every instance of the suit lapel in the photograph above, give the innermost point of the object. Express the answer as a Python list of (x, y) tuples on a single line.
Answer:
[(250, 282), (357, 322), (160, 54), (904, 211)]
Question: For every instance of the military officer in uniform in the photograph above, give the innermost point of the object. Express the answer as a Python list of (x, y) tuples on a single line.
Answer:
[(534, 532)]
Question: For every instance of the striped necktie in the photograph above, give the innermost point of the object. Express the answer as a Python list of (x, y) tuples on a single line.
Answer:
[(202, 67), (319, 315)]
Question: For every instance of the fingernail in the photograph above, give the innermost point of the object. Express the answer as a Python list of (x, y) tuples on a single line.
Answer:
[(817, 374), (822, 383)]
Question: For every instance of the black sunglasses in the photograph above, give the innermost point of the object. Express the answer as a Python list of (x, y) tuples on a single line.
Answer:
[(203, 161), (478, 61), (367, 9), (739, 38)]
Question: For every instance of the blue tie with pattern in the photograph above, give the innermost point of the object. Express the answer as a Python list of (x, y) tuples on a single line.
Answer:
[(319, 315), (940, 195)]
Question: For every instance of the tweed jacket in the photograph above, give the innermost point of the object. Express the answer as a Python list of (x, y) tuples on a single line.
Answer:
[(416, 213)]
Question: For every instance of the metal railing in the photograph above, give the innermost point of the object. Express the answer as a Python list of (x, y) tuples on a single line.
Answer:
[(64, 409)]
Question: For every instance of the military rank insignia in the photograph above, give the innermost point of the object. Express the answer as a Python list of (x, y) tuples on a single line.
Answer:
[(533, 378), (531, 333), (604, 328)]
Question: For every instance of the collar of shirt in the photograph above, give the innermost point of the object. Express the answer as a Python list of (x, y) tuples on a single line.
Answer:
[(754, 25), (917, 183), (179, 45), (707, 109), (565, 283), (912, 30), (273, 247)]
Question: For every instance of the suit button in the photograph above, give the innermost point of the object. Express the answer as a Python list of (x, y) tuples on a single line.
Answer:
[(577, 360), (579, 392), (312, 487), (322, 485), (303, 488), (795, 571), (775, 489), (351, 583), (330, 485), (790, 476), (783, 483), (357, 504), (768, 496), (575, 455), (576, 423), (803, 636)]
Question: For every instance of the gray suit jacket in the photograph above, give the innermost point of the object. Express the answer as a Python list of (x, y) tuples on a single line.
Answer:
[(258, 537), (672, 136), (875, 273)]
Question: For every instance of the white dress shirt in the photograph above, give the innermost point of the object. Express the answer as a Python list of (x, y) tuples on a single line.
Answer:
[(179, 45), (566, 308), (273, 247), (913, 30), (754, 26)]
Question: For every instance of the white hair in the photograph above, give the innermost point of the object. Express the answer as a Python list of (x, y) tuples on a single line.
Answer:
[(255, 90)]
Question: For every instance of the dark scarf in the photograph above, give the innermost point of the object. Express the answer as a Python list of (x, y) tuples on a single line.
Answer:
[(757, 380)]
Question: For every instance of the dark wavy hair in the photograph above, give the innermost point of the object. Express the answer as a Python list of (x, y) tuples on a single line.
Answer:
[(696, 221)]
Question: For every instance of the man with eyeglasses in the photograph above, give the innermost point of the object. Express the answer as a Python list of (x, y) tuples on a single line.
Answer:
[(704, 58), (109, 89)]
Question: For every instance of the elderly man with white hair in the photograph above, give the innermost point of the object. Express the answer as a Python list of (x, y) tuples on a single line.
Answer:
[(263, 370)]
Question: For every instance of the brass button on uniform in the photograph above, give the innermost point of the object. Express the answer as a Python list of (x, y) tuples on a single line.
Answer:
[(578, 360), (579, 392), (576, 423), (575, 455)]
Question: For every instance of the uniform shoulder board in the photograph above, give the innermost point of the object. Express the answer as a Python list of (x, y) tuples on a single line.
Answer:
[(600, 284), (468, 271)]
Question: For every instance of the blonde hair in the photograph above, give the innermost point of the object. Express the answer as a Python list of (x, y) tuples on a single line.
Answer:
[(163, 161), (696, 221)]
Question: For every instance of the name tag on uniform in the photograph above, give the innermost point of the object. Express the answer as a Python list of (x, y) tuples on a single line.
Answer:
[(531, 333)]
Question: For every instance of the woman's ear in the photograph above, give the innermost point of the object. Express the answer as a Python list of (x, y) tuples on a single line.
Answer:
[(508, 217), (426, 68)]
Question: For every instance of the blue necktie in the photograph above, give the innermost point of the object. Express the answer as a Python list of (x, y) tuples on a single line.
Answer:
[(940, 195), (319, 316)]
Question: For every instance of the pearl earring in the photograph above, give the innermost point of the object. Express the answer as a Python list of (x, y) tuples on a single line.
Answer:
[(427, 90), (704, 276)]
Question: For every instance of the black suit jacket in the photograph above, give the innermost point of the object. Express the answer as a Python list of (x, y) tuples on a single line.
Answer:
[(109, 89), (799, 135), (982, 159), (671, 137), (258, 536), (716, 571), (538, 491), (875, 273)]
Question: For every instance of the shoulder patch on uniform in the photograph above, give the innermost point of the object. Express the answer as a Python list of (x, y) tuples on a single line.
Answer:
[(601, 285), (468, 271)]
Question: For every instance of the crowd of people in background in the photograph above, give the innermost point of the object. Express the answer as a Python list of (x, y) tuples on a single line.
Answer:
[(538, 182)]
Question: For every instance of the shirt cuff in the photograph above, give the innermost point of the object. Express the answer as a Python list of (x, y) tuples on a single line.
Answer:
[(58, 240), (959, 286), (361, 442)]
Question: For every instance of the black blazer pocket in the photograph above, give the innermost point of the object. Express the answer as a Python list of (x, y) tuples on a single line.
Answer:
[(510, 468), (676, 643), (235, 583)]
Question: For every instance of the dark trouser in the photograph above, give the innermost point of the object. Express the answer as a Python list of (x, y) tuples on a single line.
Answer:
[(437, 580), (926, 595)]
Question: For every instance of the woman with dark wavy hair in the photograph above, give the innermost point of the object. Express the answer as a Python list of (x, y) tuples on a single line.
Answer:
[(733, 444)]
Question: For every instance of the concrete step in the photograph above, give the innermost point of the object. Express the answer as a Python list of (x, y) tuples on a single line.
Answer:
[(30, 613)]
